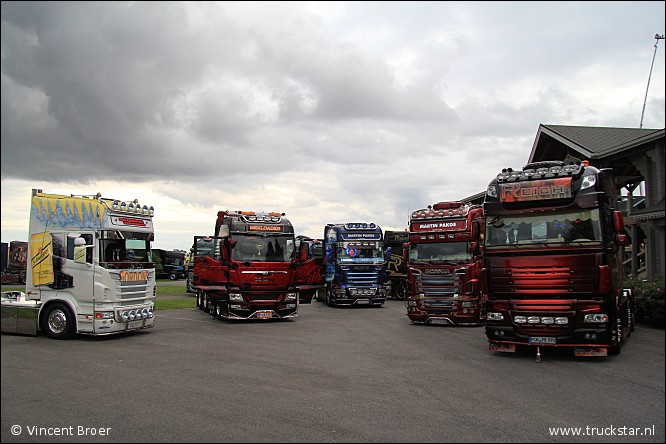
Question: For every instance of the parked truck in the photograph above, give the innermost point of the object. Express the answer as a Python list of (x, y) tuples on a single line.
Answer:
[(311, 272), (553, 262), (189, 271), (355, 264), (444, 265), (15, 272), (396, 268), (248, 270), (88, 268), (169, 264)]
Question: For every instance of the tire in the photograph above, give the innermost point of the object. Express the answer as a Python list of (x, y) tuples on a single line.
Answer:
[(617, 348), (200, 299), (329, 299), (58, 322), (204, 296), (173, 276)]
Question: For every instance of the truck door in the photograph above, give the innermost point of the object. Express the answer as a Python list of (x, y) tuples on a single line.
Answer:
[(77, 266)]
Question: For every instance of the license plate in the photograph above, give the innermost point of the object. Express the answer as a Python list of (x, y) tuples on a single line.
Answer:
[(537, 340), (264, 315), (362, 301), (506, 348), (134, 325), (601, 351), (438, 321)]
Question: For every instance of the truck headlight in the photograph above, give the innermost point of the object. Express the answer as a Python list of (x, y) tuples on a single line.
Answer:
[(235, 297), (492, 316), (290, 297), (596, 317)]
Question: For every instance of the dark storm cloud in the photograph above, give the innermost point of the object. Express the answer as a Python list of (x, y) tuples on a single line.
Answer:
[(138, 89), (359, 109)]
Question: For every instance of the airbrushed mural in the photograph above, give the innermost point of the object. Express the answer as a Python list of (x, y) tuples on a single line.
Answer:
[(70, 213)]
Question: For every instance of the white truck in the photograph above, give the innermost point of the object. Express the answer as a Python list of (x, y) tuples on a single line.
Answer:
[(89, 268)]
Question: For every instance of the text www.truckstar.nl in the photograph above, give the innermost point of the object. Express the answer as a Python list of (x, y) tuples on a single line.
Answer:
[(601, 431)]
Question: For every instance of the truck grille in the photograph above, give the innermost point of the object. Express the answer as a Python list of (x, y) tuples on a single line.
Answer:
[(362, 278), (543, 280), (132, 290), (258, 297), (438, 286)]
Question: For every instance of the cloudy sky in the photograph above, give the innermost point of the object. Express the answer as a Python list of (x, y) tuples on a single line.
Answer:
[(330, 112)]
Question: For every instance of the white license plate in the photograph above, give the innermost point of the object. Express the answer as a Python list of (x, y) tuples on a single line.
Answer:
[(362, 301), (537, 340), (438, 321), (134, 325), (264, 315)]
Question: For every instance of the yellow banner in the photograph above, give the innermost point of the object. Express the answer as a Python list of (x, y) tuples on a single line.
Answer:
[(41, 258)]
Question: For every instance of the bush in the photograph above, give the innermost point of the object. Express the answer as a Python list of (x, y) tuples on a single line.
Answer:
[(648, 300)]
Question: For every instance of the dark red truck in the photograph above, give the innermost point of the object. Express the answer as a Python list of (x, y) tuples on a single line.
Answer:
[(552, 260), (444, 265), (248, 270)]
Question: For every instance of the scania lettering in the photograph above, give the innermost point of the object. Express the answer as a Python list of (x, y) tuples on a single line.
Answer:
[(444, 265), (552, 260), (355, 264), (88, 269), (248, 270)]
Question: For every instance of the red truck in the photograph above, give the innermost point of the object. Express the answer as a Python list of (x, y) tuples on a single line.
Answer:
[(444, 265), (552, 260), (248, 270)]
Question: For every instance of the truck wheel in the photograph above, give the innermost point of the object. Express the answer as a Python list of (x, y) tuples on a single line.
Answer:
[(173, 276), (206, 308), (200, 303), (58, 322), (329, 299), (617, 348), (400, 291)]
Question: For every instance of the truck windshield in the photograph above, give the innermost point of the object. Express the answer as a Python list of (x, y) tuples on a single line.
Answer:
[(263, 248), (439, 252), (118, 248), (362, 254), (581, 227)]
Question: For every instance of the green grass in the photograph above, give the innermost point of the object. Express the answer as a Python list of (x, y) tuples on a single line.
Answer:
[(173, 304), (172, 290)]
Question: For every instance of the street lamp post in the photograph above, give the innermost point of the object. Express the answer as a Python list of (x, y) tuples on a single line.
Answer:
[(657, 37)]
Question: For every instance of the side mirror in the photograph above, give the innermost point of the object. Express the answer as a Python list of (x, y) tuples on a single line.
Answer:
[(475, 230), (618, 221)]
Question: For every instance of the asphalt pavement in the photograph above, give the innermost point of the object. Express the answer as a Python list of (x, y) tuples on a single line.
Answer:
[(330, 375)]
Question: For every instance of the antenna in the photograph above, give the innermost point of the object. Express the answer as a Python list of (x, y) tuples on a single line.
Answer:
[(657, 37)]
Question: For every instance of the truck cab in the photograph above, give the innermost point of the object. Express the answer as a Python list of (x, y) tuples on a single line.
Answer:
[(355, 264)]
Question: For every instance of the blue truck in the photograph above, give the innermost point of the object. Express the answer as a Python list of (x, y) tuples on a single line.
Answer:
[(355, 270)]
